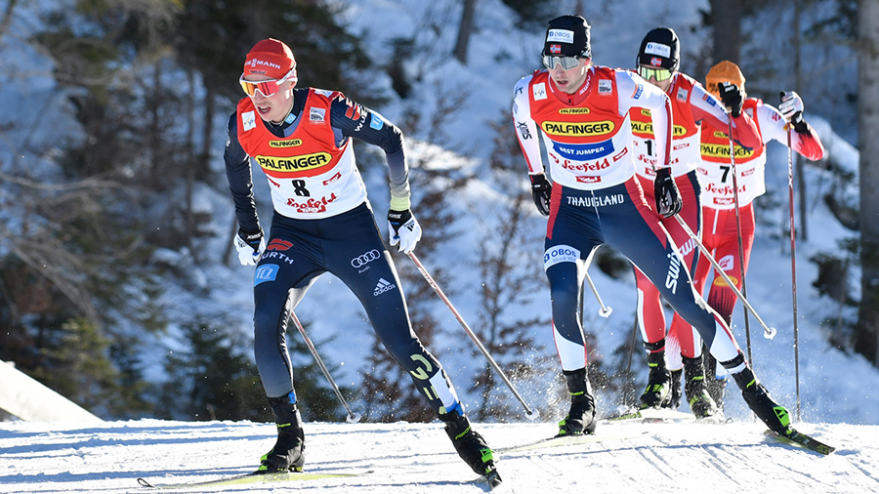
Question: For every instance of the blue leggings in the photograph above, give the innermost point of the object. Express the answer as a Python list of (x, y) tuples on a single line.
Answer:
[(350, 247), (582, 220)]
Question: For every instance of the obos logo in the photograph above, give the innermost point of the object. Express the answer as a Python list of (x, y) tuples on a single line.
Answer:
[(364, 259), (559, 253)]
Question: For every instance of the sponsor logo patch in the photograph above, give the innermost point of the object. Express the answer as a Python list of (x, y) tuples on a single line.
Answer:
[(285, 144), (294, 163), (376, 121), (382, 286), (317, 115), (365, 258), (264, 273), (560, 36), (578, 129), (605, 86), (248, 120), (539, 91), (682, 94), (574, 111), (278, 244), (657, 49), (722, 151), (559, 253), (584, 151)]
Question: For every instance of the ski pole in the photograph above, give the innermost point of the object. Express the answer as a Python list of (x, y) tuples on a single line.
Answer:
[(735, 181), (352, 418), (531, 414), (793, 261), (604, 311), (769, 333)]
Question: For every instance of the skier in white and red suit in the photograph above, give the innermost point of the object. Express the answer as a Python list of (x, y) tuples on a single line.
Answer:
[(718, 200), (582, 112), (658, 61)]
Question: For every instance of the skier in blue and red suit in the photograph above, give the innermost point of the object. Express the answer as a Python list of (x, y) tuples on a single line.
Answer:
[(323, 222), (582, 114)]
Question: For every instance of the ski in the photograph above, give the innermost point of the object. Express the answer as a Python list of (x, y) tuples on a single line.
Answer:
[(254, 478), (651, 414), (492, 478), (800, 440), (558, 441)]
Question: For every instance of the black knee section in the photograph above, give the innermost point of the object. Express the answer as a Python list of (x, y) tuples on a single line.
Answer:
[(655, 347)]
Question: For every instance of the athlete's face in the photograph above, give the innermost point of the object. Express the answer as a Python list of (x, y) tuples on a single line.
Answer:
[(569, 81), (654, 75), (272, 108)]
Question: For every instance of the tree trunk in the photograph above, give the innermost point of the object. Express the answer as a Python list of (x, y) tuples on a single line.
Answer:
[(868, 143), (464, 31), (726, 16), (191, 159)]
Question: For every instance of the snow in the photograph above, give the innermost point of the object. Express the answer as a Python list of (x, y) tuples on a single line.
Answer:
[(419, 458)]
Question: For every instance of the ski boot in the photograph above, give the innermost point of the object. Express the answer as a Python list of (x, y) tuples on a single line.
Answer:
[(658, 392), (775, 416), (471, 446), (581, 418), (716, 386), (676, 396), (288, 454), (697, 396)]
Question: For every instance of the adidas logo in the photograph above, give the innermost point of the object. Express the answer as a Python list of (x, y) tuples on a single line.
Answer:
[(382, 287)]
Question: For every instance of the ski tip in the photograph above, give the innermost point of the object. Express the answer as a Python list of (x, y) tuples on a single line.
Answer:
[(143, 482)]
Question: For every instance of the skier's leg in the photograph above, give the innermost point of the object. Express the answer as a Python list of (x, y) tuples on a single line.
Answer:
[(368, 269), (572, 236), (281, 279)]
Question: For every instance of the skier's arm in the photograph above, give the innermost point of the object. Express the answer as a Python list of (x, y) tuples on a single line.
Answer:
[(804, 140), (363, 124), (636, 92), (706, 107), (240, 179), (526, 129)]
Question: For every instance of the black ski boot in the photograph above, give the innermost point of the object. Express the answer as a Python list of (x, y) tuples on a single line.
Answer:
[(757, 397), (581, 417), (676, 396), (289, 451), (658, 392), (715, 386), (697, 396), (471, 446)]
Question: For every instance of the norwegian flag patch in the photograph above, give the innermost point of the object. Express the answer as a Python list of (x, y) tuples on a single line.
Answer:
[(555, 48), (656, 61)]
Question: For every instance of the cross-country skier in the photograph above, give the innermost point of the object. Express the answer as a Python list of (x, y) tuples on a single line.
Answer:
[(657, 62), (323, 222), (718, 200), (582, 112)]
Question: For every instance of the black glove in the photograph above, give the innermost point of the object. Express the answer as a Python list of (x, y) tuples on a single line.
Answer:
[(541, 192), (732, 97), (668, 198), (799, 124)]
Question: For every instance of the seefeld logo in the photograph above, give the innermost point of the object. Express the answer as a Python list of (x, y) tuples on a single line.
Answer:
[(559, 253), (578, 129), (364, 259)]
